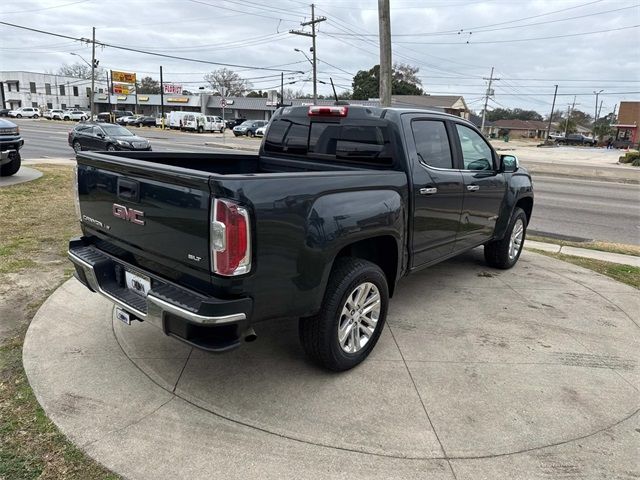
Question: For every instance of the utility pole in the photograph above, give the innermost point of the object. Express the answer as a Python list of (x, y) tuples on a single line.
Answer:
[(595, 114), (93, 72), (569, 113), (161, 98), (384, 31), (486, 98), (281, 89), (313, 23), (553, 106)]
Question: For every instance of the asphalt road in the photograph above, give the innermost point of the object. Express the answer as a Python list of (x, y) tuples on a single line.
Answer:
[(564, 206)]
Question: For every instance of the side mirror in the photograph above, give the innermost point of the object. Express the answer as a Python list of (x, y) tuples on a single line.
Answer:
[(508, 163)]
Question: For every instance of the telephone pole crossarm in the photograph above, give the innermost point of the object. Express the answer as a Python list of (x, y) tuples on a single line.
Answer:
[(313, 22)]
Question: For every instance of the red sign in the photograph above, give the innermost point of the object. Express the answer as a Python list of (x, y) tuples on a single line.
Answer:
[(172, 88)]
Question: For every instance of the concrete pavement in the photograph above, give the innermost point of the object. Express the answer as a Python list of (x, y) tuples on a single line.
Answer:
[(25, 174), (480, 374)]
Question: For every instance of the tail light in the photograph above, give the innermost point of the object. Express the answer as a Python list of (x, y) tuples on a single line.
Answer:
[(230, 238), (333, 111)]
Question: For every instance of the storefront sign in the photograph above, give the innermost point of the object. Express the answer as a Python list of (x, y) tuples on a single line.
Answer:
[(143, 99), (122, 88), (178, 100), (121, 97), (123, 77), (172, 88)]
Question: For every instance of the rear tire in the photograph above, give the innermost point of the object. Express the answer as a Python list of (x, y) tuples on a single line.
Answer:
[(347, 312), (200, 130), (505, 253), (12, 167)]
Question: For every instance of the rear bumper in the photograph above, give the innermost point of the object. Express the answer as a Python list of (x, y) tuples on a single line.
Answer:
[(205, 322)]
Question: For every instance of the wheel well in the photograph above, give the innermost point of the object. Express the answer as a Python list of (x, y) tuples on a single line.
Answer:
[(526, 204), (383, 251)]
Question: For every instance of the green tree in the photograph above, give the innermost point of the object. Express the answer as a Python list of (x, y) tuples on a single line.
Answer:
[(515, 114), (148, 85), (404, 81), (257, 94), (581, 118), (570, 125)]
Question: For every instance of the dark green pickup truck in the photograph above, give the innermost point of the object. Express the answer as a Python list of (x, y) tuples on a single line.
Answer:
[(338, 205)]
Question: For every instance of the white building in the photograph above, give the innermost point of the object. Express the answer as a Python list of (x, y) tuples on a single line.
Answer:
[(44, 91)]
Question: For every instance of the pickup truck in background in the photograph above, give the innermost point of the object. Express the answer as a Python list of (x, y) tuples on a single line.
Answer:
[(10, 144), (338, 205)]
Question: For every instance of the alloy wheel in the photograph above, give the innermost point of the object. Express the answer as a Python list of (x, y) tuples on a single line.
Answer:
[(515, 242), (359, 317)]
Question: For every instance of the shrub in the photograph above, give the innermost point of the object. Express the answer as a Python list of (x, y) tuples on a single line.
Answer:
[(636, 162), (629, 157)]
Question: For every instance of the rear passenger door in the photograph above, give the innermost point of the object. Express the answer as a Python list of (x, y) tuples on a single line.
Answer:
[(484, 187), (437, 188)]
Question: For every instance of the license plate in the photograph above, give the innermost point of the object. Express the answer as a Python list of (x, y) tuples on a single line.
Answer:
[(138, 284)]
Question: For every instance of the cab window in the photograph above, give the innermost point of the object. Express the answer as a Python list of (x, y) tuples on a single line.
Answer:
[(476, 153), (432, 143)]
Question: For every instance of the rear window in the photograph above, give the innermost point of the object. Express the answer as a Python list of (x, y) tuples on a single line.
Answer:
[(369, 144)]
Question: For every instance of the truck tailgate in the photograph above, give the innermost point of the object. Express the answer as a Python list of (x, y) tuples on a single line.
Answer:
[(148, 215)]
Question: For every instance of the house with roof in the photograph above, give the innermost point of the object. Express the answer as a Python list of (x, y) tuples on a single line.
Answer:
[(452, 104), (520, 128)]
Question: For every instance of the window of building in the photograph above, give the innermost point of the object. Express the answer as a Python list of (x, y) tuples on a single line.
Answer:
[(47, 88), (75, 91), (88, 91), (77, 106), (32, 87), (63, 106), (49, 105), (62, 90), (100, 90), (13, 86), (34, 104)]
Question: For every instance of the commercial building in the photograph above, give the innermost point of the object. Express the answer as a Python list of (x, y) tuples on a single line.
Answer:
[(45, 91), (627, 126), (257, 108)]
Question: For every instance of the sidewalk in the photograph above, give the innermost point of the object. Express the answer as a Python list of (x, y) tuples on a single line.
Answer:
[(584, 252)]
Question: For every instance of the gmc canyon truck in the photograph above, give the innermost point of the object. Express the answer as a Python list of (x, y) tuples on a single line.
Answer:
[(338, 205)]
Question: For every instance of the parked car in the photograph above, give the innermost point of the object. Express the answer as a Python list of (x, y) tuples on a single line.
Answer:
[(10, 144), (27, 112), (261, 131), (105, 136), (4, 112), (144, 121), (248, 128), (337, 206), (75, 115), (576, 139), (55, 114), (234, 122), (197, 122), (215, 124)]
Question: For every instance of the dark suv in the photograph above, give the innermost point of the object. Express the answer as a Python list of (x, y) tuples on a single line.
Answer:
[(105, 136), (10, 144), (249, 128)]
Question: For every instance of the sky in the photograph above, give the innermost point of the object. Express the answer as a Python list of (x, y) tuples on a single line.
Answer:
[(582, 46)]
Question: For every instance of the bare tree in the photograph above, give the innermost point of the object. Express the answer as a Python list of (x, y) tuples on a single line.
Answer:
[(227, 82), (290, 93), (406, 73), (79, 70)]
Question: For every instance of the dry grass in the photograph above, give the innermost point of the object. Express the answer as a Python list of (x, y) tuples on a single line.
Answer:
[(38, 220), (622, 273), (622, 248)]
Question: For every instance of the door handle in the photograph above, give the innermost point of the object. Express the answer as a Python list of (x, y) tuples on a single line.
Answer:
[(428, 191), (473, 188)]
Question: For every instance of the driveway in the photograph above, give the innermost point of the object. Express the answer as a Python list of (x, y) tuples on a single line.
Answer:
[(526, 373)]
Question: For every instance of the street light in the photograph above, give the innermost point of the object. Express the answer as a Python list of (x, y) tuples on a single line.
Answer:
[(595, 115), (305, 55)]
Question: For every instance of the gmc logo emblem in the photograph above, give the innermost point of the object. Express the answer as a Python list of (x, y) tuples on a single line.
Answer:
[(128, 214)]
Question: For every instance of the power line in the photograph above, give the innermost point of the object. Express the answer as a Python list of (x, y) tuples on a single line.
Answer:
[(129, 49), (523, 39)]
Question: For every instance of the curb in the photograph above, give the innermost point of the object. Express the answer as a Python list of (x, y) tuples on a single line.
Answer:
[(606, 174), (619, 258), (230, 147)]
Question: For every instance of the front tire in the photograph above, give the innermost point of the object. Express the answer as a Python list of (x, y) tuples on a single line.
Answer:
[(35, 116), (19, 115), (111, 148), (12, 167), (351, 318), (505, 253), (77, 147)]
